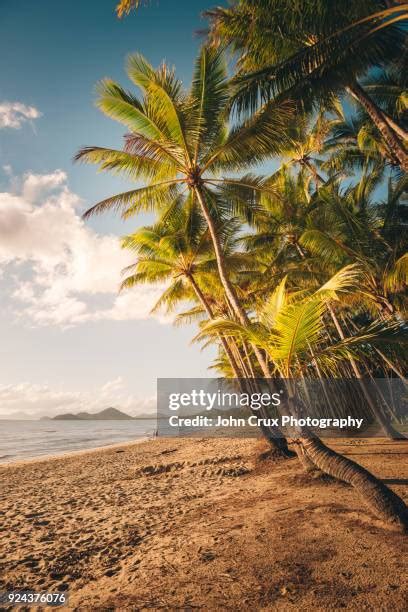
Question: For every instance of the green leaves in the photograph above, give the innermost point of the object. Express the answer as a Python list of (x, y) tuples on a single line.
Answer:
[(274, 305), (306, 49), (253, 141), (186, 151), (176, 135), (137, 200), (396, 278), (343, 281), (297, 327), (131, 165), (324, 246), (209, 97), (125, 108), (164, 99), (291, 326)]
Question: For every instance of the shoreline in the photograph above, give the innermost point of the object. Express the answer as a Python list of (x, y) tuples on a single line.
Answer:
[(70, 453)]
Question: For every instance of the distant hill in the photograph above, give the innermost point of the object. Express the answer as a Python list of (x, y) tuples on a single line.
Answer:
[(109, 414)]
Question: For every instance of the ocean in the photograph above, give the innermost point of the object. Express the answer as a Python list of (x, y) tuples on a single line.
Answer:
[(29, 439)]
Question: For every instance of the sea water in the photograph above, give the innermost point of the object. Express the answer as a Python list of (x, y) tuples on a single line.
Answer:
[(29, 439)]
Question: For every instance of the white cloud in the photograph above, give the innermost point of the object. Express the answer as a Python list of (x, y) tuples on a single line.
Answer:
[(60, 271), (37, 185), (31, 400), (14, 114)]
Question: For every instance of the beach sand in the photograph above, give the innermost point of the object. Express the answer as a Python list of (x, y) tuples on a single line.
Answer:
[(201, 524)]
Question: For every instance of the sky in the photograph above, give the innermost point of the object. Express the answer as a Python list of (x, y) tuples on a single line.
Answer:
[(68, 340)]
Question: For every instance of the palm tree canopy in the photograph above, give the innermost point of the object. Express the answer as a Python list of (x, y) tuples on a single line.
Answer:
[(292, 331), (177, 249), (308, 48), (179, 139)]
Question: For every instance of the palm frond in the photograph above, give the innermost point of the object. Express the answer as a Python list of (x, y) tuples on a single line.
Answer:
[(171, 297), (274, 305), (325, 246), (210, 95), (129, 164), (323, 67), (397, 277), (135, 200), (165, 97), (297, 326), (122, 106), (257, 139), (345, 280)]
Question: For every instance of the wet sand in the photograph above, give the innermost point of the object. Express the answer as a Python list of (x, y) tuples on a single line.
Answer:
[(201, 524)]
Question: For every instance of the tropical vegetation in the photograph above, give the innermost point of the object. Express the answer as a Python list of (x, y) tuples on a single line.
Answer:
[(301, 270)]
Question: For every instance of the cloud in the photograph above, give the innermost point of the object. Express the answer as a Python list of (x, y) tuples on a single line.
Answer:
[(58, 270), (27, 400), (38, 185), (14, 114)]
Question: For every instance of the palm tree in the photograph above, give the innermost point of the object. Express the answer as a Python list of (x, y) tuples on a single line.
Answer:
[(182, 144), (389, 91), (313, 50), (291, 331), (335, 230), (307, 145), (189, 152), (348, 226), (178, 249), (355, 145)]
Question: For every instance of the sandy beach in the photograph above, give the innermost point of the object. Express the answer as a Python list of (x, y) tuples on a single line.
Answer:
[(201, 524)]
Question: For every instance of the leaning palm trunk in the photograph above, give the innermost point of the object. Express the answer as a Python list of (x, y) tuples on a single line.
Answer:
[(397, 128), (390, 137), (392, 366), (383, 501), (312, 452), (226, 283), (296, 323), (232, 297), (223, 340)]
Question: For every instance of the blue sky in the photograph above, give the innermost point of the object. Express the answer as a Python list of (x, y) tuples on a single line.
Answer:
[(52, 56), (66, 340)]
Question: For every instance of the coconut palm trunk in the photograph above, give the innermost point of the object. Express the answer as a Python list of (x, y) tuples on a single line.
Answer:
[(318, 179), (204, 303), (397, 128), (390, 137), (224, 277), (298, 324), (382, 500), (392, 366), (314, 454)]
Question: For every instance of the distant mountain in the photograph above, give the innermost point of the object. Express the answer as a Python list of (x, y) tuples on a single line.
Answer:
[(109, 414)]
